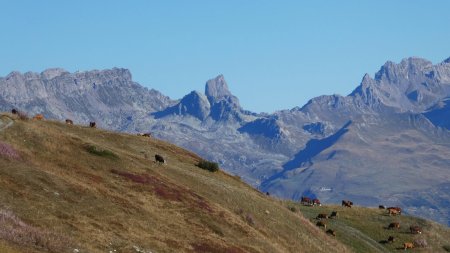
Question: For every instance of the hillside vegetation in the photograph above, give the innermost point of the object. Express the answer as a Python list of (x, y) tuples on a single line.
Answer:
[(69, 188), (365, 229)]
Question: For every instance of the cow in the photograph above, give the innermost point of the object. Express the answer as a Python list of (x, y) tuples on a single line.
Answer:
[(331, 232), (145, 134), (393, 212), (38, 117), (316, 202), (408, 245), (393, 225), (391, 239), (69, 122), (334, 214), (398, 209), (306, 201), (92, 124), (268, 193), (14, 111), (415, 230), (347, 203), (322, 216), (381, 207), (159, 159), (321, 224)]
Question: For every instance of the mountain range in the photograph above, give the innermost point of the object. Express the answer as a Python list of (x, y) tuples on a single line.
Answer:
[(387, 142)]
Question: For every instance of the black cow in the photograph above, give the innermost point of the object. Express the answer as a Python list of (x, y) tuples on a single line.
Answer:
[(14, 111), (159, 159), (92, 124)]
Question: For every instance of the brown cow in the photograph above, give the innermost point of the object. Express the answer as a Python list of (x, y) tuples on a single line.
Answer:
[(159, 159), (92, 124), (391, 239), (393, 225), (408, 245), (316, 202), (321, 224), (334, 214), (398, 209), (393, 212), (69, 122), (331, 232), (347, 203), (306, 201), (38, 117), (322, 216), (415, 230)]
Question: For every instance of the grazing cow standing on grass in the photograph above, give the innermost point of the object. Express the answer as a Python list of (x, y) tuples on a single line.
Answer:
[(391, 239), (14, 111), (393, 225), (331, 232), (69, 122), (92, 124), (321, 224), (347, 203), (316, 202), (396, 208), (394, 212), (381, 207), (159, 159), (415, 230), (38, 117), (334, 214), (306, 201), (322, 216), (408, 245)]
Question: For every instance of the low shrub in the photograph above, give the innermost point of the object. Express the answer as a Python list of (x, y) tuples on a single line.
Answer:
[(250, 220), (207, 165), (293, 209), (22, 115), (100, 152), (8, 151), (420, 243), (13, 229)]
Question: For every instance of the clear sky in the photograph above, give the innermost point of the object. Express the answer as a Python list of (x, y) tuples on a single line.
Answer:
[(274, 54)]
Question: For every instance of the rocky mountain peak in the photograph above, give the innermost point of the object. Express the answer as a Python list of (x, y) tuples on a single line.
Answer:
[(392, 72), (217, 88)]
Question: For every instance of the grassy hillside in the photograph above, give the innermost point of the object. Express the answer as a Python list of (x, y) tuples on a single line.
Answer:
[(366, 229), (66, 188)]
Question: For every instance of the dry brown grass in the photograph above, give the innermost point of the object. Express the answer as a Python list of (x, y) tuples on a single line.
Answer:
[(103, 203)]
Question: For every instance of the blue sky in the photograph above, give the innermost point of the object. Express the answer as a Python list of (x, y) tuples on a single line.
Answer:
[(274, 54)]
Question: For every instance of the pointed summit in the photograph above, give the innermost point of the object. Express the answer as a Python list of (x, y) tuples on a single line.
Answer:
[(217, 88)]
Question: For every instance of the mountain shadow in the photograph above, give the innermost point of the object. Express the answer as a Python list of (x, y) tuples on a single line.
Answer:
[(312, 148)]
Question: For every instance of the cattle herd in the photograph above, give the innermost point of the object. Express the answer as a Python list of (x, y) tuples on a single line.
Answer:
[(158, 158), (391, 211)]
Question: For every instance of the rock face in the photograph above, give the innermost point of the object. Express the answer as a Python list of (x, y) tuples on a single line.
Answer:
[(384, 143)]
